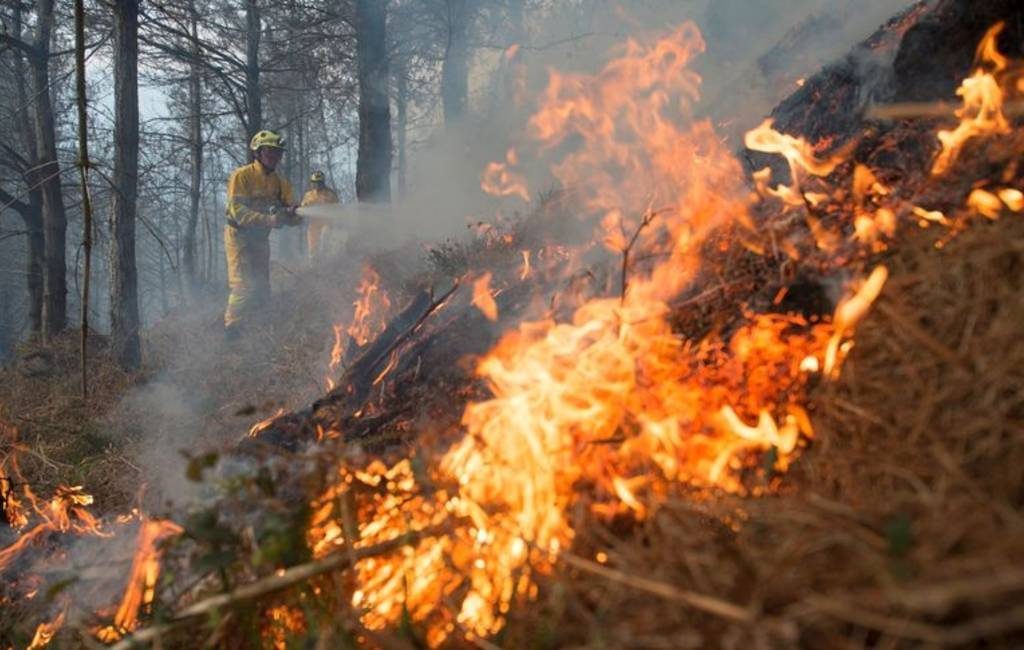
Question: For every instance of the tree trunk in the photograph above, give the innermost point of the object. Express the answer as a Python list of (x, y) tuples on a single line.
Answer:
[(455, 68), (48, 169), (33, 218), (83, 173), (253, 99), (124, 293), (195, 136), (402, 106), (373, 166)]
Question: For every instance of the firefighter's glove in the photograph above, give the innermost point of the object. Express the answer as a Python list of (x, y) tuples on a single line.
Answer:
[(286, 216)]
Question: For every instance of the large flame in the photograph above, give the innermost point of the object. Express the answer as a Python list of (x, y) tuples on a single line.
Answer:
[(614, 399), (983, 95), (604, 411), (141, 586)]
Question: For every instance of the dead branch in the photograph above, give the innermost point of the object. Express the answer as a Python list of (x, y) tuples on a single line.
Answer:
[(646, 221), (707, 604), (929, 110), (359, 376), (277, 582), (961, 634)]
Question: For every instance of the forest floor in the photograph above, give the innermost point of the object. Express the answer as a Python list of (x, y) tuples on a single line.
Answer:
[(194, 391)]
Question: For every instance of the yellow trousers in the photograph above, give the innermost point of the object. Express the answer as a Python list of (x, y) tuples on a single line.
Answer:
[(248, 257), (314, 232)]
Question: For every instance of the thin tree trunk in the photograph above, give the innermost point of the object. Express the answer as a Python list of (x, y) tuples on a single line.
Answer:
[(455, 68), (253, 98), (195, 136), (54, 218), (402, 105), (373, 167), (35, 260), (124, 292), (83, 173), (208, 230), (164, 302)]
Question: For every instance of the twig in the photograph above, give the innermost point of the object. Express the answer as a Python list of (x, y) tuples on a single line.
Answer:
[(707, 604), (929, 110), (961, 634), (83, 170), (289, 577), (923, 337), (646, 221)]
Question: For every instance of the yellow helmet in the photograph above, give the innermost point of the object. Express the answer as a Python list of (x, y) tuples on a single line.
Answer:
[(266, 139), (316, 177)]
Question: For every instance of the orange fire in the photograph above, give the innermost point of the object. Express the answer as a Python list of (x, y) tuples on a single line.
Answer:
[(483, 298), (46, 631), (524, 272), (799, 154), (258, 428), (605, 412), (369, 317), (498, 178), (63, 513), (337, 350), (370, 308), (141, 587), (983, 94), (612, 399)]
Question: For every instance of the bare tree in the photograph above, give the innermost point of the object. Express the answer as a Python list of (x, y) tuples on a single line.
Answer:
[(195, 136), (373, 167), (253, 94), (31, 212), (455, 67), (124, 295), (45, 168)]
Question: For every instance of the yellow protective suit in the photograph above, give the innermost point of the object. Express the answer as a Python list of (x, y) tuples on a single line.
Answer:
[(317, 196), (253, 194)]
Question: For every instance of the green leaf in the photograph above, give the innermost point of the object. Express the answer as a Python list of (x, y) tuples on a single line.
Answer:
[(900, 534), (56, 588), (215, 561), (198, 464)]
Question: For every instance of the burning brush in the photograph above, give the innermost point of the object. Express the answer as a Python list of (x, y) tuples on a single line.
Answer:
[(598, 417)]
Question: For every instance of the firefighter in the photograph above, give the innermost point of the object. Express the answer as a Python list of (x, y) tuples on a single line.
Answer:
[(318, 194), (259, 200)]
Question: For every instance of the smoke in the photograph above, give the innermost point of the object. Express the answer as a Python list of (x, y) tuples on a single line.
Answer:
[(210, 393), (755, 56)]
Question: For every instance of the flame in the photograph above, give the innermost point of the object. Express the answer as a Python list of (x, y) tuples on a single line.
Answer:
[(483, 299), (63, 513), (263, 424), (985, 203), (46, 631), (849, 313), (982, 110), (1012, 198), (499, 180), (800, 156), (141, 587), (612, 399), (524, 272), (337, 350), (368, 319)]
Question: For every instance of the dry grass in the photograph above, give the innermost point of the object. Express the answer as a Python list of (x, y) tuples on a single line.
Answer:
[(902, 526), (193, 392)]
